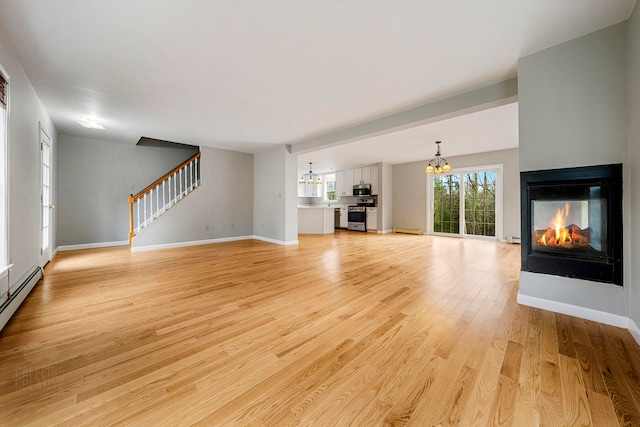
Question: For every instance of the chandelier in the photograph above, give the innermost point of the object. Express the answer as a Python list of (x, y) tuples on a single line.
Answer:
[(438, 164), (310, 177)]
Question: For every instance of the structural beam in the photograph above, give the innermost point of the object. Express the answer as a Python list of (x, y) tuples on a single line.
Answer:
[(484, 98)]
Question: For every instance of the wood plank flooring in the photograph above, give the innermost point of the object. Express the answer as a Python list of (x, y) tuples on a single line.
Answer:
[(354, 329)]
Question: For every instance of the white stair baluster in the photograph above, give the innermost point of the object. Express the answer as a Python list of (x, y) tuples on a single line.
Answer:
[(144, 209), (175, 188)]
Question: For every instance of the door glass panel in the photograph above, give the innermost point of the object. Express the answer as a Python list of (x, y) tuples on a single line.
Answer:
[(480, 203), (446, 204)]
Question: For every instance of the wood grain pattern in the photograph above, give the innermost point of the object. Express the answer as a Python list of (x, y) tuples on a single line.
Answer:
[(349, 329)]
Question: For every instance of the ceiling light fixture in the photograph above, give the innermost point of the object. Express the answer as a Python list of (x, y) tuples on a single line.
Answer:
[(310, 177), (438, 164), (90, 123)]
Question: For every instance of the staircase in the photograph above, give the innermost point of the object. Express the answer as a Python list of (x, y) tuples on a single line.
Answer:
[(149, 204)]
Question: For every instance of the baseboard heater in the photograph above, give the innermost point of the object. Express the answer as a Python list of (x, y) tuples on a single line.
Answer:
[(25, 285), (407, 230)]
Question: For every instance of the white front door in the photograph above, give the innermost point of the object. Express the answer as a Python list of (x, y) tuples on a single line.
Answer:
[(45, 197)]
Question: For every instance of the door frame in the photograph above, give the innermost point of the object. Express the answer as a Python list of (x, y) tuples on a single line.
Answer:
[(44, 138), (498, 168)]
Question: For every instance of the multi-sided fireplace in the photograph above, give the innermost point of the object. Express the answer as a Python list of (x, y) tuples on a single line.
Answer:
[(572, 222)]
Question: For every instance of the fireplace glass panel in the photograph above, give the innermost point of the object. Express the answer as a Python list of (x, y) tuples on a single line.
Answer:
[(571, 227)]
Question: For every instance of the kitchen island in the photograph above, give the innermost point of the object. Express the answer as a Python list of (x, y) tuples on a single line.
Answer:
[(315, 220)]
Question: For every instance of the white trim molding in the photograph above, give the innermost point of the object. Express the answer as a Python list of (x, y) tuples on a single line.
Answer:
[(91, 246), (574, 310), (582, 312), (635, 331), (189, 243), (277, 242)]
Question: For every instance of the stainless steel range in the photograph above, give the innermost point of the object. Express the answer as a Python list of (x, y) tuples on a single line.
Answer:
[(358, 214)]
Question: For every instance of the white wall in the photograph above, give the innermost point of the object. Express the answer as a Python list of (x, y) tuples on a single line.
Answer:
[(573, 112), (409, 189), (275, 198), (632, 202), (95, 178), (223, 203), (25, 113)]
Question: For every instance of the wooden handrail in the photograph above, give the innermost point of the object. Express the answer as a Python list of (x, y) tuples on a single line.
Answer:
[(165, 176)]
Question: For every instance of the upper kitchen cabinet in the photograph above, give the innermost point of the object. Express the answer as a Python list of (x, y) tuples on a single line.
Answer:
[(367, 175), (344, 183), (375, 185), (309, 190), (362, 176)]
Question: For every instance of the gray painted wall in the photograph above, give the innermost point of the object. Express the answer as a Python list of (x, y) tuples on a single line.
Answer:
[(25, 113), (409, 189), (573, 112), (573, 102), (632, 203), (95, 179), (275, 199), (386, 198), (225, 197)]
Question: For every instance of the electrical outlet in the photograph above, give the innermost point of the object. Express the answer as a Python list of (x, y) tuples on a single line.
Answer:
[(279, 195), (133, 186), (206, 228), (404, 222), (262, 225), (233, 226)]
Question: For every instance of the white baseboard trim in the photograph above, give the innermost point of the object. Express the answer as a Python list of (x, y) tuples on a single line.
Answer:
[(635, 331), (277, 242), (189, 243), (91, 246), (386, 231), (14, 304), (575, 311)]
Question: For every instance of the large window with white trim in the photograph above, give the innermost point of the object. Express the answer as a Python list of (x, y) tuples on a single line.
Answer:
[(4, 174), (466, 202)]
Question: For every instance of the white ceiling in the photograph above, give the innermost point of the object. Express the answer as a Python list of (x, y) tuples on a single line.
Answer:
[(246, 75)]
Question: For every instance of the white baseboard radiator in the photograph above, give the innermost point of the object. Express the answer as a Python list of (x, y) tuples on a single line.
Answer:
[(407, 230), (13, 296)]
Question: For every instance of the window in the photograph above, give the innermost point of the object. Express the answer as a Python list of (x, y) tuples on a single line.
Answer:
[(466, 202), (329, 187), (4, 175)]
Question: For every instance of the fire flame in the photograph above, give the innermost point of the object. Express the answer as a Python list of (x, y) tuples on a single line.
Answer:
[(562, 232)]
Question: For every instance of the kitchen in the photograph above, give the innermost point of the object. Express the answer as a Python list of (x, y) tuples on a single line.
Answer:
[(343, 200)]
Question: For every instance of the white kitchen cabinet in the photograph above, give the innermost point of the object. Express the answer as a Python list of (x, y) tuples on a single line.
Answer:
[(374, 180), (315, 220), (309, 190), (362, 175), (372, 218), (366, 176), (344, 183), (344, 217), (357, 176), (348, 182)]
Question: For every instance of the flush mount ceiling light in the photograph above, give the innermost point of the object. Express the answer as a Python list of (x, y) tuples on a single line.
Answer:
[(310, 177), (438, 164), (90, 123)]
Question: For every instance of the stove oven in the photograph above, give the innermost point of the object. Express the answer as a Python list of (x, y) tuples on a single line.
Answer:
[(357, 218), (358, 214)]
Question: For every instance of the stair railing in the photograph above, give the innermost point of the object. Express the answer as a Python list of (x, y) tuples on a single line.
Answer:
[(147, 206)]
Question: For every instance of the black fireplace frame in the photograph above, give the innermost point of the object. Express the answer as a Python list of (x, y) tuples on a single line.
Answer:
[(609, 268)]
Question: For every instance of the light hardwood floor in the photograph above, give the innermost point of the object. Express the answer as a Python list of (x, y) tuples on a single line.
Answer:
[(352, 330)]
